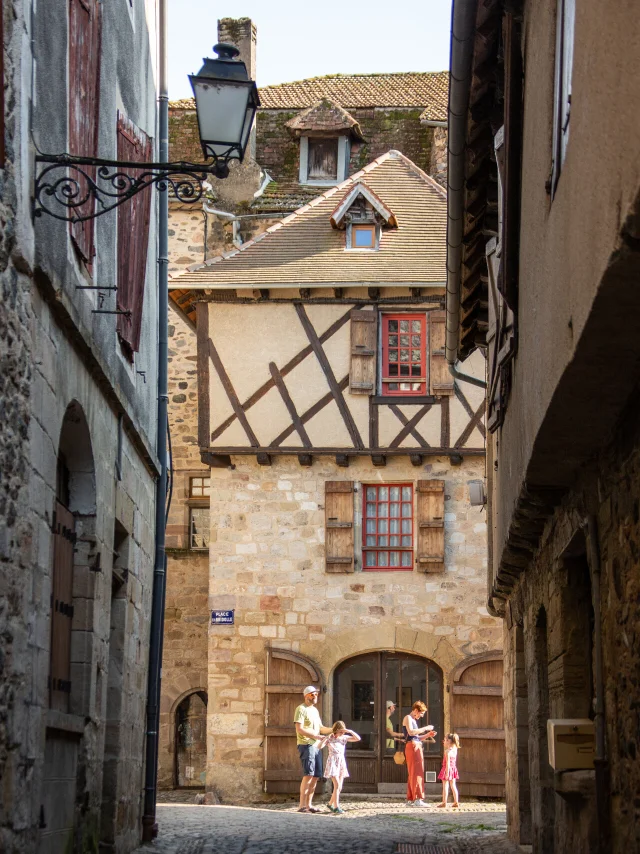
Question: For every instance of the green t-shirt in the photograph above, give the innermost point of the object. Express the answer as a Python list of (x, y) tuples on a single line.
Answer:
[(309, 717), (390, 741)]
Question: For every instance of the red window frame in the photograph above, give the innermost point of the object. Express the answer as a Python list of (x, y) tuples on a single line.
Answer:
[(392, 365), (393, 534)]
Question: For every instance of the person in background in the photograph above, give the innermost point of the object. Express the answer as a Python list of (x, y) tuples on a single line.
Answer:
[(336, 767), (449, 771), (391, 735), (414, 736), (308, 729)]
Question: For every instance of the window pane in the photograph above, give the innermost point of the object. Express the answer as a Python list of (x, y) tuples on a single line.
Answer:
[(383, 559), (393, 386), (406, 526), (363, 238), (404, 326), (416, 326), (416, 356), (383, 509), (395, 510), (406, 542), (371, 541), (371, 493), (415, 340), (323, 159), (406, 558), (406, 493), (395, 526), (416, 386), (199, 528), (383, 526), (404, 340), (371, 509), (395, 493), (354, 692), (404, 355), (393, 326), (404, 370), (393, 355), (393, 341), (383, 493), (393, 541), (370, 559), (406, 510), (383, 541), (415, 370), (371, 526), (394, 558)]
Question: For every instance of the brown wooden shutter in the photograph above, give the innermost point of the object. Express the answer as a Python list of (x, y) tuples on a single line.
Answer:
[(61, 608), (338, 515), (364, 341), (430, 519), (133, 240), (84, 92), (440, 380), (501, 342)]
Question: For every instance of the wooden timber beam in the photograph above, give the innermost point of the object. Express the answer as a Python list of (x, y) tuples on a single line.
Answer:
[(280, 451)]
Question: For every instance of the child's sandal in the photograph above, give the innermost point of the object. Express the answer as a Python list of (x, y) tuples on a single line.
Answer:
[(456, 805), (441, 805)]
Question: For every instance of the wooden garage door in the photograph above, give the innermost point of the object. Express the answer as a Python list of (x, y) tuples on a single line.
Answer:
[(477, 715), (287, 675)]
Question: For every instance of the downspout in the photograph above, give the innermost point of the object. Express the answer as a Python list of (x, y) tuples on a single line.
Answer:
[(463, 18), (149, 825), (601, 764)]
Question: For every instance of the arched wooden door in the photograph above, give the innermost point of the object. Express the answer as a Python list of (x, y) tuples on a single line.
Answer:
[(191, 741), (287, 674), (477, 715)]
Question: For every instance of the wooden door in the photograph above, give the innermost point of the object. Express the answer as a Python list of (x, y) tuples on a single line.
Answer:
[(287, 674), (61, 608), (477, 715)]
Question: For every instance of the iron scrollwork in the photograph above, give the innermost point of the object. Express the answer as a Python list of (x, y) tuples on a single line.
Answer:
[(76, 189)]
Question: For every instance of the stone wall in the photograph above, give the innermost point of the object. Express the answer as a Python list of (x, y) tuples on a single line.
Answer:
[(16, 673), (439, 152), (267, 562), (552, 601)]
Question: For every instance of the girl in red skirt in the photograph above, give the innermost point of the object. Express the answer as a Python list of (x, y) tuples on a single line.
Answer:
[(449, 771)]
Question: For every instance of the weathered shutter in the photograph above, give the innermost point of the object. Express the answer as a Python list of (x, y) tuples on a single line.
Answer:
[(430, 519), (364, 340), (440, 379), (61, 608), (501, 342), (133, 240), (84, 93), (338, 514)]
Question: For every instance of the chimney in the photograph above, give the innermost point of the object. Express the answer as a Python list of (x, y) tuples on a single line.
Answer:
[(242, 33)]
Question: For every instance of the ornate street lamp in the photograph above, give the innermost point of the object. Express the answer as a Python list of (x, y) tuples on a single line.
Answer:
[(75, 189), (226, 104)]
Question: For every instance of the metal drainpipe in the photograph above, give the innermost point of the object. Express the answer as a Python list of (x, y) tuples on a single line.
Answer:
[(149, 825), (466, 378), (600, 762)]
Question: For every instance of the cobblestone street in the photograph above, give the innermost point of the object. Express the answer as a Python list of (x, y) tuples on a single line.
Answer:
[(367, 827)]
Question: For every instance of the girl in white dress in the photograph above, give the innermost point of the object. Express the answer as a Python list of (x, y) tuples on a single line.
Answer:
[(336, 766)]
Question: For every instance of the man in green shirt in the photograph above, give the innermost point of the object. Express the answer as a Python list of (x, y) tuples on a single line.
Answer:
[(308, 730), (391, 735)]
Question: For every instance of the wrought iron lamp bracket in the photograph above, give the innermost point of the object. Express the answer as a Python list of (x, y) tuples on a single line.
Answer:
[(76, 189)]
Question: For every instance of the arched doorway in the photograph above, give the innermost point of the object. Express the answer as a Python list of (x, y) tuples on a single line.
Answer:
[(191, 741), (362, 687)]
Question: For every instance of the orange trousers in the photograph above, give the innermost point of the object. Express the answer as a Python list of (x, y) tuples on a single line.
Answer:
[(415, 770)]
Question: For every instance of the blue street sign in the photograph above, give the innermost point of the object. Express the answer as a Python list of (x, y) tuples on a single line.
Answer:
[(222, 618)]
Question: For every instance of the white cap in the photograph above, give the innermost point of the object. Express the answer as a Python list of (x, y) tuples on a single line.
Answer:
[(390, 703), (311, 689)]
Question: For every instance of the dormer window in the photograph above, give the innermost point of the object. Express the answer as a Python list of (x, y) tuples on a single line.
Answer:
[(362, 236), (322, 159), (363, 216)]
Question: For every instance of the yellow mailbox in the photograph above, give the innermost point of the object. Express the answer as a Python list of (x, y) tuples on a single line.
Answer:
[(572, 743)]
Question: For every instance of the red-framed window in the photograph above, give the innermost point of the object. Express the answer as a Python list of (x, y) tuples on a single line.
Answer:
[(404, 354), (387, 530)]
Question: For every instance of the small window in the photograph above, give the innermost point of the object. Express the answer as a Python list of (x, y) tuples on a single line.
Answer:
[(404, 350), (565, 29), (387, 531), (199, 523), (323, 159), (363, 237), (199, 487)]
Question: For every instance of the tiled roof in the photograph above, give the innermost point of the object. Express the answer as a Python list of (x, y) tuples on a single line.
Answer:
[(426, 89), (303, 249), (324, 116)]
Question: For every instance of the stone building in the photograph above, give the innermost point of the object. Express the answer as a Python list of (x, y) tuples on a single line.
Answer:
[(543, 260), (309, 134), (78, 462), (323, 507)]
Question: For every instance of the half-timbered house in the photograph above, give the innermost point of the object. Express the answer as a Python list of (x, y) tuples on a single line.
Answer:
[(336, 451)]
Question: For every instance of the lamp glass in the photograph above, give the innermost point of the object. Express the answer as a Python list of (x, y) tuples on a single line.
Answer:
[(224, 109)]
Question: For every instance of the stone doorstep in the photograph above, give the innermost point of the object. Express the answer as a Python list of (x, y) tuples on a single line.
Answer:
[(420, 848)]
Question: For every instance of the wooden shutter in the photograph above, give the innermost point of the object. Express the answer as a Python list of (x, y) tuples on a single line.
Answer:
[(338, 514), (364, 340), (84, 91), (501, 342), (440, 379), (133, 240), (61, 608), (430, 519)]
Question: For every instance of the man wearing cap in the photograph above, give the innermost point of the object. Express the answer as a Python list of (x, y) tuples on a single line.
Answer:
[(308, 730), (391, 735)]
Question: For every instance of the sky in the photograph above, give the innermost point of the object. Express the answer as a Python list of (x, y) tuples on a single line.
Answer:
[(298, 40)]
